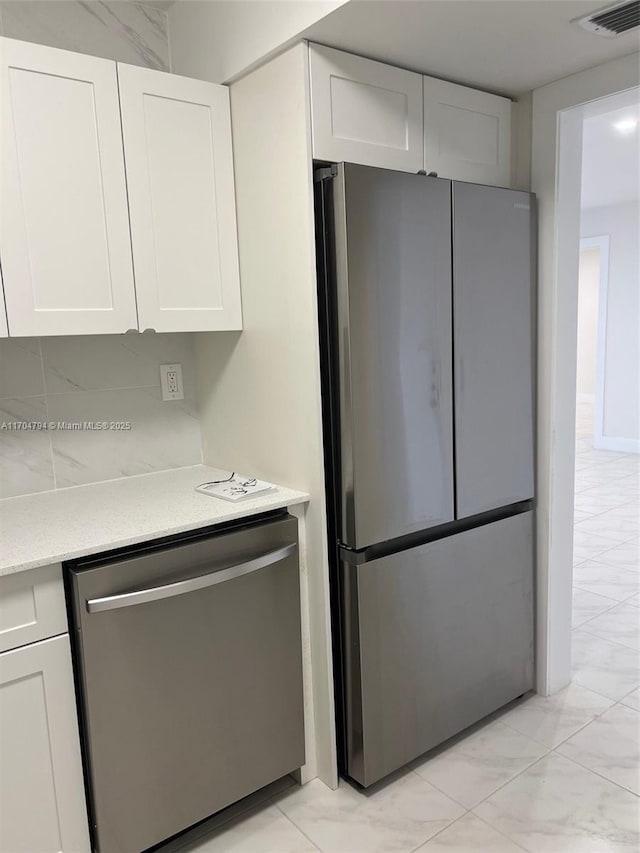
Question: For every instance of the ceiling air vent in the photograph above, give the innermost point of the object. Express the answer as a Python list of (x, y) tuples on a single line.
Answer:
[(613, 20)]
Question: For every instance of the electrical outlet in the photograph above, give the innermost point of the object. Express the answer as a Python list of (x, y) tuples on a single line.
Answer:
[(171, 382)]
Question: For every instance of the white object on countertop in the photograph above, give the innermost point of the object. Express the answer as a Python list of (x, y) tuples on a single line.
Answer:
[(235, 488)]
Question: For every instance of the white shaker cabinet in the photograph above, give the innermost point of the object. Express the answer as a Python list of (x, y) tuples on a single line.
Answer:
[(42, 802), (179, 164), (467, 133), (375, 114), (64, 227), (364, 111), (72, 229), (32, 606)]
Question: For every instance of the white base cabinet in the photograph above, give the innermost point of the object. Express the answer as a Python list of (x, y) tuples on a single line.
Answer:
[(42, 801), (32, 607)]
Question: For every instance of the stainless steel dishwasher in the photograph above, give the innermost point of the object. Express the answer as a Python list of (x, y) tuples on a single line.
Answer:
[(189, 669)]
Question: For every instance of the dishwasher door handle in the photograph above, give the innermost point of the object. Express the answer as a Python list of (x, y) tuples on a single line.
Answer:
[(142, 596)]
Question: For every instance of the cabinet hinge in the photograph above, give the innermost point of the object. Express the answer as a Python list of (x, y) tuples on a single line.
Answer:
[(326, 173)]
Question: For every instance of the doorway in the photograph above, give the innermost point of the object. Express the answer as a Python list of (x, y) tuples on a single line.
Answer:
[(606, 574), (559, 113)]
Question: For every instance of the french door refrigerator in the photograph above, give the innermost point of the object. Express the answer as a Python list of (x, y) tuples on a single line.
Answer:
[(426, 323)]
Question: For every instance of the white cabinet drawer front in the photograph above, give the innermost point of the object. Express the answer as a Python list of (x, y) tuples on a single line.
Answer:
[(42, 804), (177, 138), (467, 133), (66, 254), (365, 111), (32, 607)]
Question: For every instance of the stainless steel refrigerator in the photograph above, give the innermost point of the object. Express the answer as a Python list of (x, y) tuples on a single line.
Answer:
[(426, 294)]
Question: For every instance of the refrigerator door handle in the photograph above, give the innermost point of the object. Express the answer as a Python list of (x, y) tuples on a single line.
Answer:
[(169, 590)]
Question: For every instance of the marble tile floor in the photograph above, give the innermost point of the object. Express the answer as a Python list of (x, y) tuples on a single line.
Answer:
[(606, 573), (546, 775), (554, 775)]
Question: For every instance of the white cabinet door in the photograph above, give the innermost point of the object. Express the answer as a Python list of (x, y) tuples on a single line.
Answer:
[(467, 133), (177, 142), (42, 802), (364, 111), (64, 228)]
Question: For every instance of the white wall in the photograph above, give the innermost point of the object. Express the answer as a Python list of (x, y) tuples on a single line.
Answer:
[(559, 235), (260, 389), (217, 40), (621, 410), (588, 294)]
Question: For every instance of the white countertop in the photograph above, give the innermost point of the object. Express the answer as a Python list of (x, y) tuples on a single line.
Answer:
[(39, 529)]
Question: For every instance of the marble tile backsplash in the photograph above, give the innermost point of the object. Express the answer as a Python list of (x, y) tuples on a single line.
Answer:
[(124, 31), (88, 380)]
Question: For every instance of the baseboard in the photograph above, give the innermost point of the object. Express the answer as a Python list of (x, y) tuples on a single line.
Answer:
[(619, 445)]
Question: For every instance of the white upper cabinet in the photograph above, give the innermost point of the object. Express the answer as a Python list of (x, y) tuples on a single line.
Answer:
[(467, 133), (378, 115), (364, 111), (66, 224), (177, 142), (64, 228)]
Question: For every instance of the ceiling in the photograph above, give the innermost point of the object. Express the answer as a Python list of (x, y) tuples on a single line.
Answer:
[(503, 46), (611, 158)]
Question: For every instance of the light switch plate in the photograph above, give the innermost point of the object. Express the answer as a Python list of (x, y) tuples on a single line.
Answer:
[(171, 382)]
